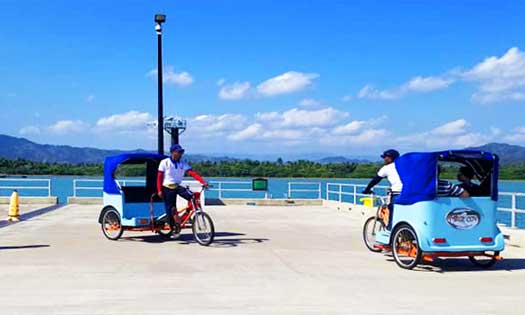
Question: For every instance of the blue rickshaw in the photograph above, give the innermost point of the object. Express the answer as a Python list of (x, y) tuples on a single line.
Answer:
[(426, 226), (138, 208)]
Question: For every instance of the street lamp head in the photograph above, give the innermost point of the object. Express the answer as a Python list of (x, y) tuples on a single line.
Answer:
[(160, 18)]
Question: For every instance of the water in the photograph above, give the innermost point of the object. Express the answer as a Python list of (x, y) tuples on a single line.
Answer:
[(62, 187)]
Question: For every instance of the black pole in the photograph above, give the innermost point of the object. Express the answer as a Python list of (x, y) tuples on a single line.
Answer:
[(174, 135), (160, 110)]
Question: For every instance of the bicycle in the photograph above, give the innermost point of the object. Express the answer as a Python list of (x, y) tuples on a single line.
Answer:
[(192, 216)]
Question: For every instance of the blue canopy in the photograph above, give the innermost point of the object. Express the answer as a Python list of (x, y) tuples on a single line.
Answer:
[(112, 162), (418, 172)]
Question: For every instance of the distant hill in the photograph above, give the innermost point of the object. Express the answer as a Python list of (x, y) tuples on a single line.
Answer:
[(508, 153), (340, 159), (20, 148)]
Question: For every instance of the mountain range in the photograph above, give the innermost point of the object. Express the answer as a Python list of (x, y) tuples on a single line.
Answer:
[(21, 148)]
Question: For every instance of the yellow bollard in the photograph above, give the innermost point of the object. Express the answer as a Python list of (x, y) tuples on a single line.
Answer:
[(368, 201), (14, 209)]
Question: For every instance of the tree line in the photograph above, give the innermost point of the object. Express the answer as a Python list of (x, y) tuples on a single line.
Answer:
[(240, 168)]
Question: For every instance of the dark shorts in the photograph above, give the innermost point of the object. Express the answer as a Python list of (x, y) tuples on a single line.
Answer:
[(170, 200)]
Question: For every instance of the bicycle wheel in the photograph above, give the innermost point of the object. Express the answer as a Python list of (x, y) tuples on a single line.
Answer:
[(484, 262), (369, 232), (405, 247), (203, 229), (111, 225)]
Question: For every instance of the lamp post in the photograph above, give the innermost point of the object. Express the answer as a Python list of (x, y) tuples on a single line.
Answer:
[(159, 19)]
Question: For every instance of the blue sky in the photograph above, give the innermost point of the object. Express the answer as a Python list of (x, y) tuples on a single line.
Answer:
[(266, 77)]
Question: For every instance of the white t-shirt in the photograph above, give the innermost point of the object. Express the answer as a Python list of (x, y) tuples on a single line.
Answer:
[(389, 171), (173, 171)]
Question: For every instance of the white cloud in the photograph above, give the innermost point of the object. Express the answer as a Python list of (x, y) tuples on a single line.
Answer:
[(500, 78), (454, 134), (68, 126), (304, 118), (169, 76), (415, 85), (29, 130), (288, 82), (235, 91), (131, 120), (349, 128), (452, 128), (347, 98), (216, 125), (309, 102), (250, 132)]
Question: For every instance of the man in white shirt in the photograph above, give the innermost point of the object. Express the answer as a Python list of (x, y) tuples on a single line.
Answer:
[(170, 174), (390, 172)]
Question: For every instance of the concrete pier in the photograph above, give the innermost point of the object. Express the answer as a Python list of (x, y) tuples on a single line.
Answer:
[(266, 260)]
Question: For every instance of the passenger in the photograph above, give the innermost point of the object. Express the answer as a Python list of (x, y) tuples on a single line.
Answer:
[(170, 175), (389, 171), (447, 189), (465, 176)]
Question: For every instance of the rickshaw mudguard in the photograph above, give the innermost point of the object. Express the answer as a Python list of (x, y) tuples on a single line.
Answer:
[(461, 222)]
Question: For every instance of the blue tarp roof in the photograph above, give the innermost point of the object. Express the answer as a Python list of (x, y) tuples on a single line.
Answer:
[(112, 162), (418, 172)]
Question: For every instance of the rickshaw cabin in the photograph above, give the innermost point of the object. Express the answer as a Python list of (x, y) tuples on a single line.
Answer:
[(419, 173), (132, 194)]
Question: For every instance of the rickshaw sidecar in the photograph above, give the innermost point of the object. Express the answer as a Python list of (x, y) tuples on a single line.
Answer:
[(425, 226), (130, 206)]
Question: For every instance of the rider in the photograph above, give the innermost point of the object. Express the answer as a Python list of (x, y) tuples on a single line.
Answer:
[(390, 172), (170, 174)]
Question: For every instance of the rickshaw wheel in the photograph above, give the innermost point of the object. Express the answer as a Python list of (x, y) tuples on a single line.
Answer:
[(405, 247), (203, 229), (369, 233), (111, 225), (486, 262)]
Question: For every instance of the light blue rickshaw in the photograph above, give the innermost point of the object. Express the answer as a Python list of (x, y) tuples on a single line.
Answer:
[(138, 207), (425, 225)]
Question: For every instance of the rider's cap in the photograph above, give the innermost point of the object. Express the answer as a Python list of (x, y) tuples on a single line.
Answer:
[(176, 148), (391, 153)]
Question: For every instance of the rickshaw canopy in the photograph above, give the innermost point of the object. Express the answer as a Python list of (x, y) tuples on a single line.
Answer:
[(419, 172), (111, 164)]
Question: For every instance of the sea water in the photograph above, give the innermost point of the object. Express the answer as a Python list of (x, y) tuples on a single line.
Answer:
[(62, 187)]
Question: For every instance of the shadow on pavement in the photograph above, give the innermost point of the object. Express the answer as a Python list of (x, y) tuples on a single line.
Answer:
[(22, 247), (222, 239), (464, 265)]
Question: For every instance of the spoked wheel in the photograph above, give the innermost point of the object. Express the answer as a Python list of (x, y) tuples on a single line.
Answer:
[(483, 261), (405, 247), (111, 225), (370, 231), (203, 229)]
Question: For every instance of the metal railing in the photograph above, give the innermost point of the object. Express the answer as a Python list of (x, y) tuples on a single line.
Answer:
[(222, 186), (292, 190), (354, 191), (514, 210), (77, 184), (19, 184)]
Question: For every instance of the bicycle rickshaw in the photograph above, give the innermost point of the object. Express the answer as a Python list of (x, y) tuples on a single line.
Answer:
[(425, 226), (138, 208)]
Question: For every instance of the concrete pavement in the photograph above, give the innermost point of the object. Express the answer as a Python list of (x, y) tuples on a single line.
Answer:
[(266, 260)]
